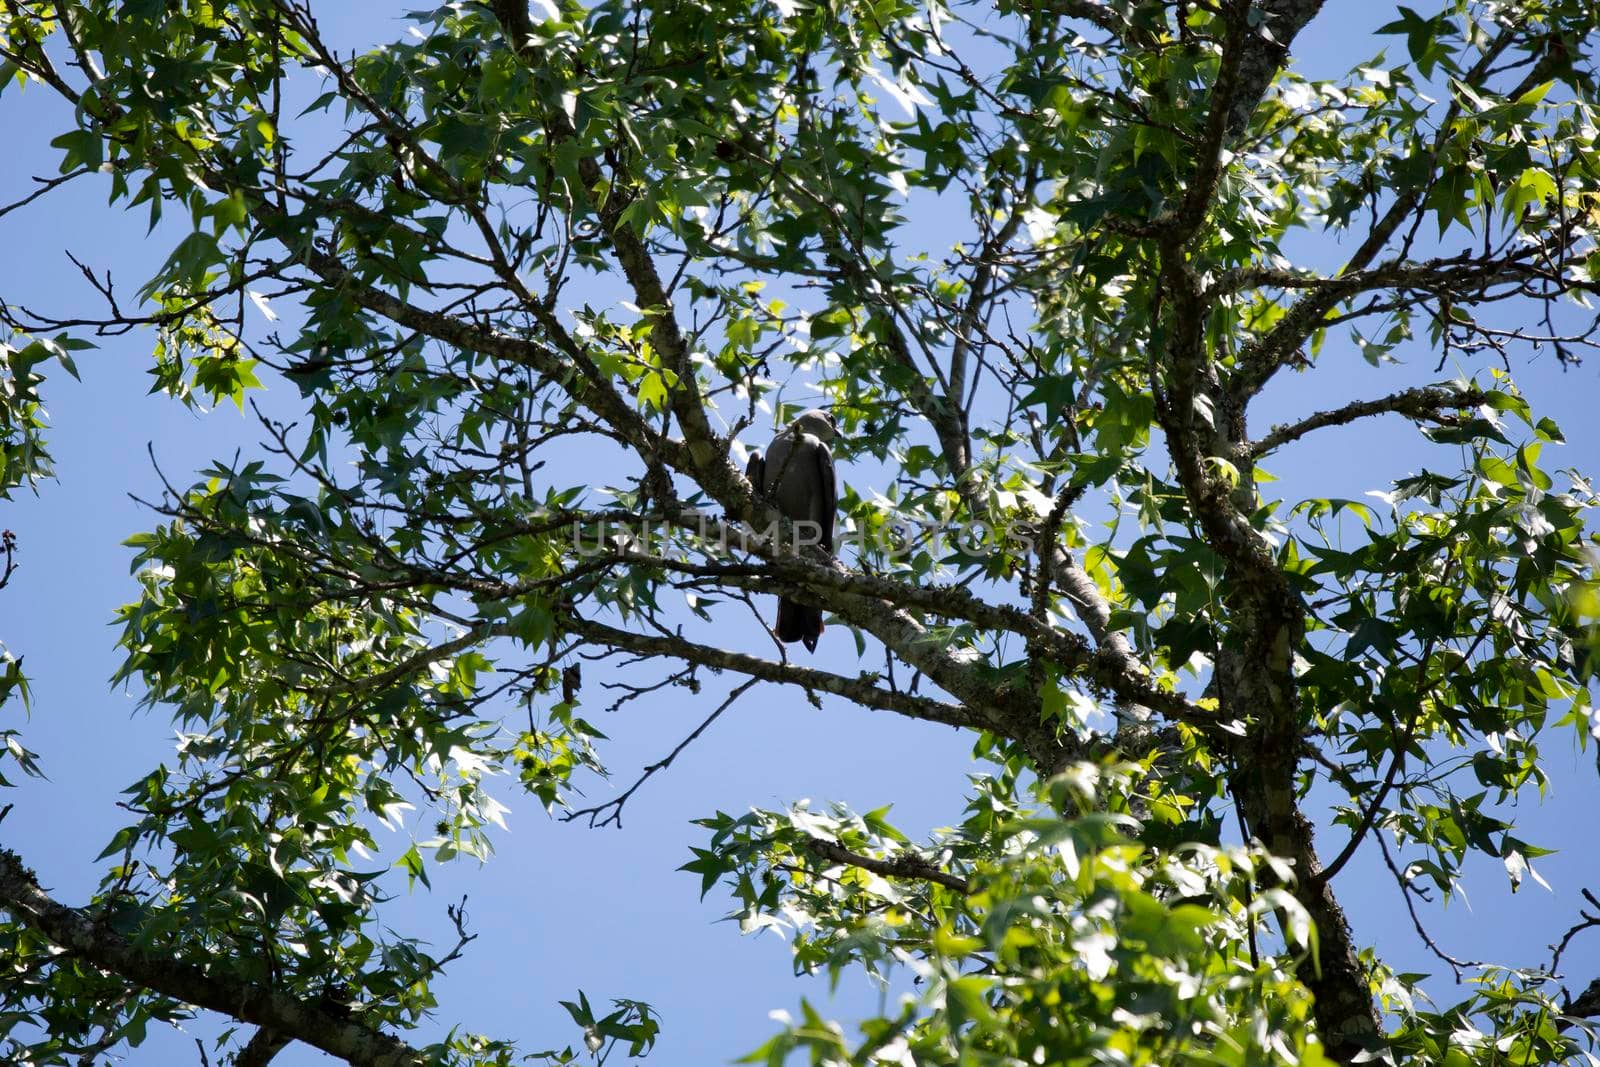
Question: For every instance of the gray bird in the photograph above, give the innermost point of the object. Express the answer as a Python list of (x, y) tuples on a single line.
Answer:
[(797, 475)]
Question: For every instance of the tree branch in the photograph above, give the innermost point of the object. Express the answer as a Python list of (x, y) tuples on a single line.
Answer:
[(261, 1049), (617, 803), (1265, 52), (633, 256), (860, 689), (1423, 403), (905, 865), (1260, 360), (208, 985)]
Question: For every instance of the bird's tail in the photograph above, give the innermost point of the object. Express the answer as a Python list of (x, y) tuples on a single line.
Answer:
[(799, 622)]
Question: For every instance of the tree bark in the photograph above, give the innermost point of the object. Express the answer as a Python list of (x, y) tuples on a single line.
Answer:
[(204, 984)]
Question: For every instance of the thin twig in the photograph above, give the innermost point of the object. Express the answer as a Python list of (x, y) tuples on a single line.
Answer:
[(905, 865), (615, 804)]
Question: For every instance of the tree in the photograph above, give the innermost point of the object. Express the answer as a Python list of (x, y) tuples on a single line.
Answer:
[(632, 225)]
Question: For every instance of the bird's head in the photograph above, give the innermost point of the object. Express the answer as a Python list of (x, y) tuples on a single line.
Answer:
[(818, 423)]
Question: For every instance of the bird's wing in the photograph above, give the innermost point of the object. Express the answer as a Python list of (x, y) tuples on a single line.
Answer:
[(780, 457), (827, 491), (755, 469)]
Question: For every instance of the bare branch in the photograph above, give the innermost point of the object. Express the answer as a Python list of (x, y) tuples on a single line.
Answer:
[(1586, 921), (615, 805), (862, 689), (1429, 403)]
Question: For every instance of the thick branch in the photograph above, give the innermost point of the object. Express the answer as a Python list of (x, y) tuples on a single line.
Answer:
[(1112, 669), (633, 256), (209, 986), (1266, 50), (1181, 222), (860, 689), (262, 1048), (1584, 1005), (1451, 274), (1427, 403)]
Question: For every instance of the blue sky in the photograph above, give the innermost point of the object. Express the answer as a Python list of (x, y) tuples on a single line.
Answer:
[(562, 907)]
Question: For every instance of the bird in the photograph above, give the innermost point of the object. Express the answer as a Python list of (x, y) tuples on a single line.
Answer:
[(797, 475)]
